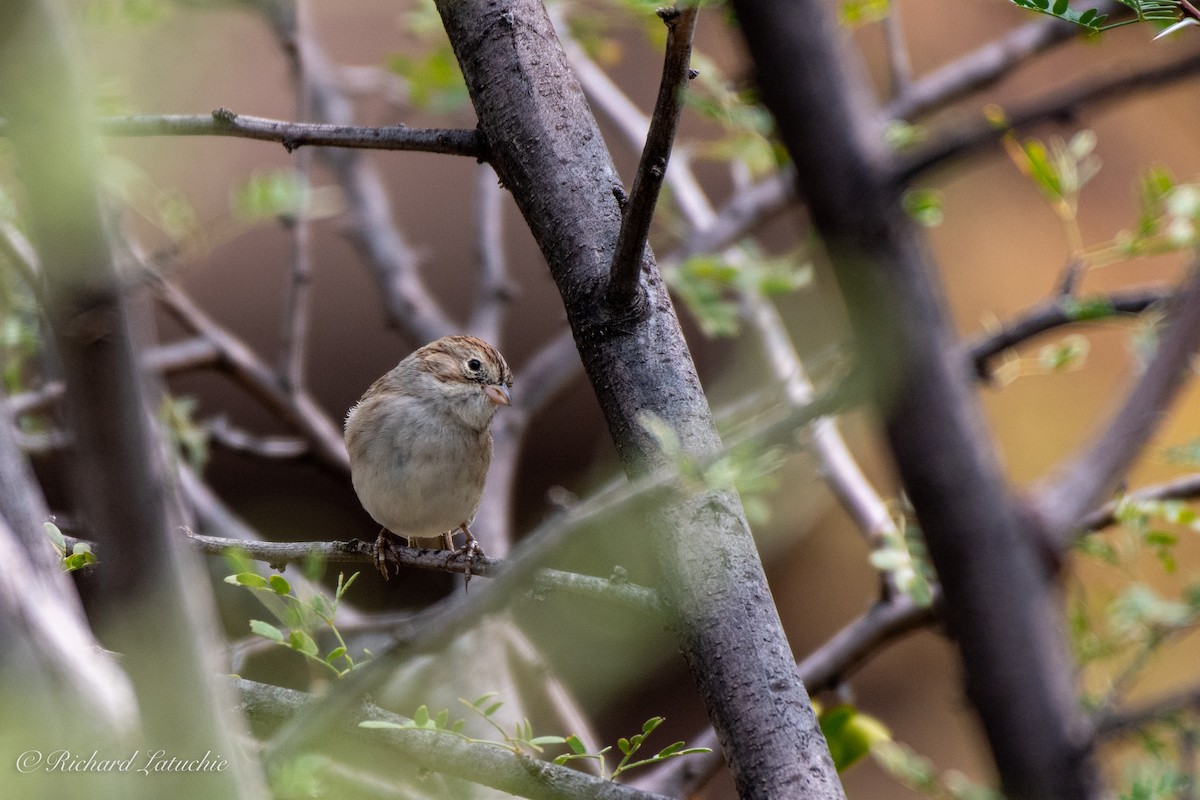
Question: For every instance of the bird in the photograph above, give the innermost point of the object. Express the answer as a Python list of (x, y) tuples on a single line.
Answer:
[(420, 443)]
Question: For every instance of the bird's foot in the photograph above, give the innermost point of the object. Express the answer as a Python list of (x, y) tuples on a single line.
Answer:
[(469, 551), (386, 554)]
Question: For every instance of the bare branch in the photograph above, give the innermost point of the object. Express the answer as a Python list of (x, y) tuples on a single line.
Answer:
[(1130, 720), (634, 126), (408, 304), (746, 210), (297, 301), (983, 67), (223, 122), (227, 435), (1055, 313), (1088, 477), (495, 289), (624, 289), (970, 136), (297, 409), (899, 64), (549, 371)]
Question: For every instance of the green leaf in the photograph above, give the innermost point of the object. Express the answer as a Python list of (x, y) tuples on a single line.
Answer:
[(250, 579), (378, 723), (279, 585), (55, 535), (266, 630), (1060, 8), (538, 741), (924, 206), (493, 708), (268, 195), (624, 746), (576, 744), (649, 725), (335, 654), (303, 643), (421, 717), (1085, 309)]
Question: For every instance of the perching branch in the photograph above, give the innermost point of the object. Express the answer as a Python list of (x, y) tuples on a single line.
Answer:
[(1124, 721), (356, 551), (223, 122), (1088, 477), (625, 277)]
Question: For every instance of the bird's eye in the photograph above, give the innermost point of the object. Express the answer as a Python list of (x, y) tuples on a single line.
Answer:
[(474, 365)]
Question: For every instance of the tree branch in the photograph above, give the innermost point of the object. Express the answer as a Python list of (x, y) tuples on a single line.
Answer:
[(1185, 488), (223, 122), (445, 753), (1120, 722), (407, 302), (1002, 607), (970, 136), (298, 409), (1085, 479), (624, 290), (832, 663), (982, 67), (1052, 314), (146, 601), (355, 551)]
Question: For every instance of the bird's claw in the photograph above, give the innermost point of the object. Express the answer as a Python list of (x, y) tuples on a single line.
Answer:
[(386, 554)]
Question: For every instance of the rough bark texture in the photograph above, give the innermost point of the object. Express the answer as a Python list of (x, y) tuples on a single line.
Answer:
[(547, 150), (142, 607), (1002, 605)]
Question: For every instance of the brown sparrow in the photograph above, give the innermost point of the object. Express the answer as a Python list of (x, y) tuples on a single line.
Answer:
[(420, 442)]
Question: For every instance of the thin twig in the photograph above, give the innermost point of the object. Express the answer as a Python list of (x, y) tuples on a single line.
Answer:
[(745, 210), (297, 300), (626, 273), (223, 122), (899, 64), (1118, 723), (633, 125), (983, 67), (1087, 477), (960, 140), (273, 448), (495, 289), (298, 409), (1055, 313), (1185, 488)]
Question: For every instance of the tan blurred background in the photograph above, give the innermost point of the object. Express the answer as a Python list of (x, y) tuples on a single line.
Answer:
[(1000, 250)]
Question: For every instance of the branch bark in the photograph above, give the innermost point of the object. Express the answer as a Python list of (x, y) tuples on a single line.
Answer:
[(1087, 477), (549, 153), (223, 122), (147, 600), (1001, 605)]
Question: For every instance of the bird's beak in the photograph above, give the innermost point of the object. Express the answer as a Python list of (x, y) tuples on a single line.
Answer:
[(498, 394)]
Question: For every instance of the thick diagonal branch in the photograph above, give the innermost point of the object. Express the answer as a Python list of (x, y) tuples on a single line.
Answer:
[(1001, 605)]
